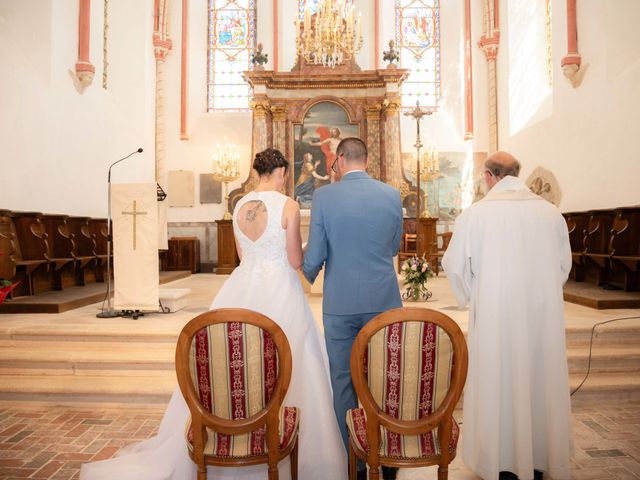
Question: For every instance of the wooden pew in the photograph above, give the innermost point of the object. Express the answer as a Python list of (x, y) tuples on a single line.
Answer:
[(624, 246), (60, 248), (12, 266), (577, 223), (597, 245), (84, 247), (98, 230), (32, 241)]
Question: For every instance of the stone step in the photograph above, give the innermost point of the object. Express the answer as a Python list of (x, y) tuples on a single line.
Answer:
[(621, 358), (600, 388), (609, 335), (92, 333), (75, 356), (110, 388)]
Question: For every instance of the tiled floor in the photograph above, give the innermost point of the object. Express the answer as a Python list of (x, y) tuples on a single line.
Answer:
[(52, 442)]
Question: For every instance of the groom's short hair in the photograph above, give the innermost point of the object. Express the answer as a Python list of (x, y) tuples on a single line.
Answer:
[(353, 149)]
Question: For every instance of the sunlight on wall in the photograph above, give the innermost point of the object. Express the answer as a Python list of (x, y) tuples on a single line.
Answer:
[(529, 91), (467, 177)]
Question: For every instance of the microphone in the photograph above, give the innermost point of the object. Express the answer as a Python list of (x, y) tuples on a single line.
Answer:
[(118, 161)]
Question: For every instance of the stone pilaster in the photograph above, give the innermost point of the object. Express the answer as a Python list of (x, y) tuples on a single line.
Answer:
[(489, 46)]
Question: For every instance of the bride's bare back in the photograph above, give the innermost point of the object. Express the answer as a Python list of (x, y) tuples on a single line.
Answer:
[(252, 219)]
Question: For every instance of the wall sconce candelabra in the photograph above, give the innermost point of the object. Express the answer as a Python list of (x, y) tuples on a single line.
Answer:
[(332, 36), (225, 170)]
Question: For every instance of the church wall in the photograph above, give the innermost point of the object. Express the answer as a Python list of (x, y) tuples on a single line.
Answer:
[(57, 144), (588, 138)]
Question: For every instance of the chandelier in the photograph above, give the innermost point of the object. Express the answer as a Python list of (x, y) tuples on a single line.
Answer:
[(332, 36)]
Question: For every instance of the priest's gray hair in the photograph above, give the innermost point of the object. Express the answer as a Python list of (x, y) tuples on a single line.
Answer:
[(500, 169)]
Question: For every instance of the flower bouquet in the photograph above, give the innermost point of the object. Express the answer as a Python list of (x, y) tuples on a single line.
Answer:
[(416, 272), (5, 289)]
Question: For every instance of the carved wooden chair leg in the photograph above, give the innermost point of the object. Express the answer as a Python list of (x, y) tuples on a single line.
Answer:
[(353, 463), (273, 472), (374, 472), (443, 473), (202, 472), (294, 462)]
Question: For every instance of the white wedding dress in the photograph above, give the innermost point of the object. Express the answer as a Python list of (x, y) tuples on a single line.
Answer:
[(266, 283)]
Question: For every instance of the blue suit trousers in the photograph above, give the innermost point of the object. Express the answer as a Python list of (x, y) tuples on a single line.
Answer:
[(340, 332)]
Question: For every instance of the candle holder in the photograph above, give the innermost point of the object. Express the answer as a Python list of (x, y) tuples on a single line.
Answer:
[(428, 170), (225, 170)]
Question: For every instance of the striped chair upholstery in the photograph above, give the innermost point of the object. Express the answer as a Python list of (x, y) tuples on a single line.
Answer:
[(234, 367), (408, 367)]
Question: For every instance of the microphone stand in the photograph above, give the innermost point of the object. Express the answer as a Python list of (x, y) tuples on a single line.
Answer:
[(110, 312)]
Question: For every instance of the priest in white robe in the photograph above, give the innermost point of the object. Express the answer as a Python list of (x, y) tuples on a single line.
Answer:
[(508, 259)]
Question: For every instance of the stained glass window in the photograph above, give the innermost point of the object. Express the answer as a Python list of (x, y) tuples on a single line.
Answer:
[(418, 40), (232, 37), (313, 7)]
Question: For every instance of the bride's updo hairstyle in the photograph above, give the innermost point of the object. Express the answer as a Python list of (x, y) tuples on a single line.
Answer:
[(268, 160)]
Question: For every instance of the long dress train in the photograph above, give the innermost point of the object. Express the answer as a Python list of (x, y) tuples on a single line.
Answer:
[(266, 283)]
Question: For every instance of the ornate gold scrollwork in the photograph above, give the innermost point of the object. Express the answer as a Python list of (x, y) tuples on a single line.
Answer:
[(279, 113), (260, 107)]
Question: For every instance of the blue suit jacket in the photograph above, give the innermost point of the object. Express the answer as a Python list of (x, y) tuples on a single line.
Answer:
[(356, 227)]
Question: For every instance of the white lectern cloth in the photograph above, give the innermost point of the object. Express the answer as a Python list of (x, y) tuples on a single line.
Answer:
[(135, 246)]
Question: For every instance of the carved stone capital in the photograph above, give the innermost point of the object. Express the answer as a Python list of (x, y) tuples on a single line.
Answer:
[(373, 112), (574, 72), (279, 113), (83, 76), (391, 106), (260, 107), (161, 47), (490, 45)]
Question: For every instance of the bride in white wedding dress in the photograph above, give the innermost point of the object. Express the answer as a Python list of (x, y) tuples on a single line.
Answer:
[(267, 230)]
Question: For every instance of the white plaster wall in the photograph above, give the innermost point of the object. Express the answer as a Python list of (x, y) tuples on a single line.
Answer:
[(589, 141), (56, 143)]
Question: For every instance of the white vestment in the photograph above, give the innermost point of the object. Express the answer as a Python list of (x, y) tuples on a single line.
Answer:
[(508, 258)]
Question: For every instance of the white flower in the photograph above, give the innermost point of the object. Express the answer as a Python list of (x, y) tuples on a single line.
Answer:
[(424, 267), (414, 267)]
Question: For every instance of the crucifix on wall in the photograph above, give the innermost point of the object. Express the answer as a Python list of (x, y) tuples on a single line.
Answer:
[(134, 213)]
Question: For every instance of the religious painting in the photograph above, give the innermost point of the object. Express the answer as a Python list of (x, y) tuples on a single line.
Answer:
[(315, 141)]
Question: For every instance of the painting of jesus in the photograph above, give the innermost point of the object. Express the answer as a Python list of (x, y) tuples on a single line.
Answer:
[(315, 142)]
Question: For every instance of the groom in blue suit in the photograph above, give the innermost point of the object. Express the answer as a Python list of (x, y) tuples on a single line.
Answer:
[(356, 227)]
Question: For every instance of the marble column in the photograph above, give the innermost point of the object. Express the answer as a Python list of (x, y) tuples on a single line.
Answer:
[(279, 113), (392, 171), (373, 139)]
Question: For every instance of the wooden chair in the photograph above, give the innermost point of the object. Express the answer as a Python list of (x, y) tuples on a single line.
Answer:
[(233, 368), (408, 248), (408, 367), (446, 238)]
